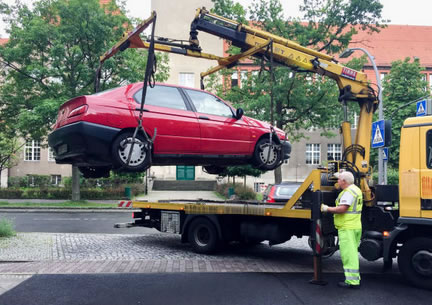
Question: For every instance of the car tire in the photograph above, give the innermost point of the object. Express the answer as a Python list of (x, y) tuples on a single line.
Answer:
[(95, 172), (261, 157), (415, 262), (140, 158), (203, 236)]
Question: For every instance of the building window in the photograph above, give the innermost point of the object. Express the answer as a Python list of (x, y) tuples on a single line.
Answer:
[(383, 75), (334, 152), (51, 154), (55, 179), (430, 82), (32, 150), (187, 79), (234, 79), (243, 78), (313, 154)]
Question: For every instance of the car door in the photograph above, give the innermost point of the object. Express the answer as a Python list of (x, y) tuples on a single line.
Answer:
[(221, 133), (177, 127)]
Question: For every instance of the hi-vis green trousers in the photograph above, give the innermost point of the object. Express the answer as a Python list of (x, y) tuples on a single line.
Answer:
[(349, 241)]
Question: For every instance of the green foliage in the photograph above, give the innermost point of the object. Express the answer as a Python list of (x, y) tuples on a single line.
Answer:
[(301, 100), (6, 228), (392, 176), (241, 171), (404, 84), (241, 191), (52, 55), (9, 149)]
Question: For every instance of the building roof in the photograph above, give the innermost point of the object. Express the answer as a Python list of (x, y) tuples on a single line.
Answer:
[(396, 42), (3, 41)]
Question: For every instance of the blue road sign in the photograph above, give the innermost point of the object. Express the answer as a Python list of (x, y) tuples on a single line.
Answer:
[(378, 134), (385, 153), (421, 108)]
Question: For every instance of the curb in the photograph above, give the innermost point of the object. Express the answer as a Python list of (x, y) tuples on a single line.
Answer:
[(64, 210)]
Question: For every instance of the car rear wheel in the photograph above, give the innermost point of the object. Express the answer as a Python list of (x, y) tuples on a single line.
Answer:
[(266, 156), (139, 158)]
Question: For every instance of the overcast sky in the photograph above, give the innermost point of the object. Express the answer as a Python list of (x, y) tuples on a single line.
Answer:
[(412, 12)]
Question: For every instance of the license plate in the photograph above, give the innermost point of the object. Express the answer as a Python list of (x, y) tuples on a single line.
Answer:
[(62, 149)]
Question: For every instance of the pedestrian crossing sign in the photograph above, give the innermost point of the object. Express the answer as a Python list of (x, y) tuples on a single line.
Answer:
[(421, 108), (378, 134)]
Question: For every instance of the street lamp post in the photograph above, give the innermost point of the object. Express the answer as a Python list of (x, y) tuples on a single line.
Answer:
[(382, 166)]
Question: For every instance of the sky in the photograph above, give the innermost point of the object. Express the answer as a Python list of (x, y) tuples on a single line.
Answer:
[(412, 12)]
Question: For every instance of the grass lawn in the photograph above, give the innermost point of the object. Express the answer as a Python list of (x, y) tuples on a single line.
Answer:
[(60, 204)]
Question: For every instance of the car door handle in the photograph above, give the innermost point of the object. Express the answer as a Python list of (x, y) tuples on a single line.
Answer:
[(203, 117)]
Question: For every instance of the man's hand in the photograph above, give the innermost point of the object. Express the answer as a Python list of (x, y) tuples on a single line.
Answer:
[(324, 208)]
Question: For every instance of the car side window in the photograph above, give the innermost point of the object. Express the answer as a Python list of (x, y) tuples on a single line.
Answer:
[(162, 96), (207, 103)]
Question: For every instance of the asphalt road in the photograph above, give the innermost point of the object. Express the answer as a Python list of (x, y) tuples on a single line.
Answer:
[(73, 222), (209, 289)]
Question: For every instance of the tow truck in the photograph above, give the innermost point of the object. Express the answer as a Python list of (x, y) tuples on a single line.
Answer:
[(402, 228)]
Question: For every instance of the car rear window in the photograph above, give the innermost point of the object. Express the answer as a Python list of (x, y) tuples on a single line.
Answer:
[(162, 96), (287, 190)]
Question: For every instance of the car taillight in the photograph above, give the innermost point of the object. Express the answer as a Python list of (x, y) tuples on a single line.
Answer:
[(270, 197), (79, 110)]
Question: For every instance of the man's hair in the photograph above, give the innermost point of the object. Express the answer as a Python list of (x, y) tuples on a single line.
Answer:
[(348, 177)]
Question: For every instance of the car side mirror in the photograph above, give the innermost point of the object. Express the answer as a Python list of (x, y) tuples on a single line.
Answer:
[(239, 113)]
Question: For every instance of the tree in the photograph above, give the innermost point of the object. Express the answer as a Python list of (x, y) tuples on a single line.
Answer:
[(404, 84), (9, 148), (301, 100), (52, 56), (242, 171)]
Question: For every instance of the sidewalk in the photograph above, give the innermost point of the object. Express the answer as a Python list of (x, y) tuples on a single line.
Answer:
[(153, 196)]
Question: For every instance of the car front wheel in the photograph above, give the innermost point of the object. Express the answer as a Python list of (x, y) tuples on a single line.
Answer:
[(139, 157), (267, 156)]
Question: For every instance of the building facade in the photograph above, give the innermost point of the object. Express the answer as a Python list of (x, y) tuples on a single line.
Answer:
[(173, 21)]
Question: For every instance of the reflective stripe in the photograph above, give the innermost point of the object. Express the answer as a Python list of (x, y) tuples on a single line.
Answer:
[(356, 199), (352, 270), (358, 212), (352, 278)]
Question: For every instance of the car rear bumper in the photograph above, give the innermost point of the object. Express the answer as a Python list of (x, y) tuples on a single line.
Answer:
[(83, 144)]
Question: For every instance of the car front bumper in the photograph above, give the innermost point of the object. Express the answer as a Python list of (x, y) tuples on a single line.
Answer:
[(83, 144)]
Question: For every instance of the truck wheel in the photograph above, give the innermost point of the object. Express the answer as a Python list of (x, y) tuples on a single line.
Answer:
[(203, 236), (415, 262), (262, 158), (140, 158)]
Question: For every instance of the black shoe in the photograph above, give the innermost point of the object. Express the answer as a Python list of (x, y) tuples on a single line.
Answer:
[(346, 285)]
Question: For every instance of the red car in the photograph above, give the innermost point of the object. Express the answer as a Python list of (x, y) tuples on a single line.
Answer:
[(188, 127)]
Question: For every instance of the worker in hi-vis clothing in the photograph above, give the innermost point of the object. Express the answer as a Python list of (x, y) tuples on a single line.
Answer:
[(347, 220)]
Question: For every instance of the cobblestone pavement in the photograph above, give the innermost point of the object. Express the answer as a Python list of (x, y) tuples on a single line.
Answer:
[(107, 253), (57, 253)]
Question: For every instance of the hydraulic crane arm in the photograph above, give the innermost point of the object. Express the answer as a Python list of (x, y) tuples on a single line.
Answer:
[(353, 85)]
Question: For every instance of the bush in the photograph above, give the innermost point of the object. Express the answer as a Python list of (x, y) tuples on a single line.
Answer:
[(11, 193), (392, 176), (6, 228), (241, 191)]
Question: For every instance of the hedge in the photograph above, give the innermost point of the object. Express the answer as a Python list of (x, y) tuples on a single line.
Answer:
[(113, 193)]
